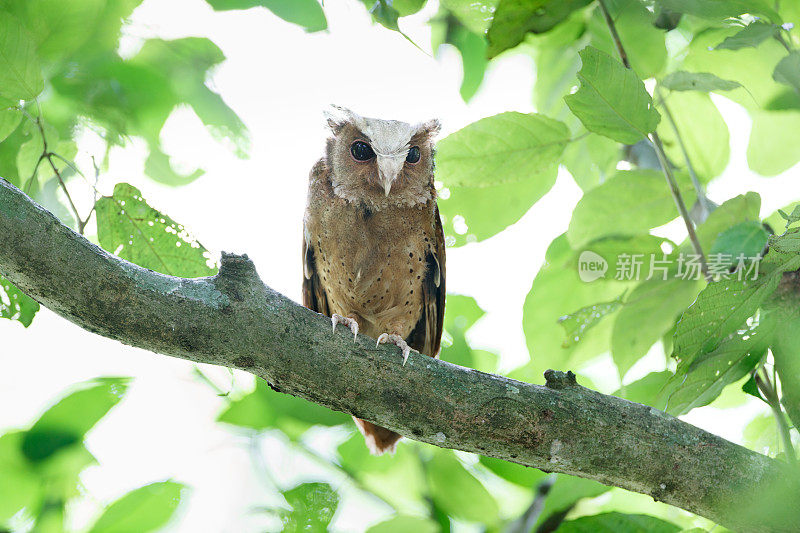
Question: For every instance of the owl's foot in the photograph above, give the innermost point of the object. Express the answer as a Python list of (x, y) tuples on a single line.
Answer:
[(347, 321), (398, 341)]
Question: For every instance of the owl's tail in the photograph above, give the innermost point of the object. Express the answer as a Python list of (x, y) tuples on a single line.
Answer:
[(379, 440)]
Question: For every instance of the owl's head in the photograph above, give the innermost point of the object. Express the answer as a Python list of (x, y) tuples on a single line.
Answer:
[(380, 162)]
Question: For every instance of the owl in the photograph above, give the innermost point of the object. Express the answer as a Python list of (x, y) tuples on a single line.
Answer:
[(373, 246)]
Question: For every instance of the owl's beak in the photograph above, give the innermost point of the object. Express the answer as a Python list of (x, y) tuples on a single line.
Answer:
[(389, 168)]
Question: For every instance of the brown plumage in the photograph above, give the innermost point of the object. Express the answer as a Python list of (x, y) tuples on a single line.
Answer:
[(373, 250)]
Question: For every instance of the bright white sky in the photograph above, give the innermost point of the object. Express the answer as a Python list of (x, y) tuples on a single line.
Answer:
[(279, 80)]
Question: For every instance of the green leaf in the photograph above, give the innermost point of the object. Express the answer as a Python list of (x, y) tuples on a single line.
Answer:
[(472, 214), (265, 408), (751, 35), (477, 16), (404, 524), (719, 9), (9, 120), (568, 491), (509, 147), (461, 312), (559, 290), (698, 381), (129, 228), (630, 203), (618, 523), (724, 306), (697, 81), (752, 67), (634, 23), (704, 133), (59, 27), (761, 434), (313, 506), (305, 13), (186, 62), (514, 18), (20, 73), (30, 152), (772, 149), (472, 48), (645, 390), (576, 323), (649, 312), (555, 56), (471, 501), (16, 305), (408, 7), (68, 421), (787, 71), (507, 160), (732, 212), (612, 100), (751, 388), (592, 160), (145, 509), (19, 485), (524, 476), (746, 240)]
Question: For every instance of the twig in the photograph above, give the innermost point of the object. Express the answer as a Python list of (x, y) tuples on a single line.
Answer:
[(701, 195), (662, 156), (525, 523), (767, 388), (48, 155)]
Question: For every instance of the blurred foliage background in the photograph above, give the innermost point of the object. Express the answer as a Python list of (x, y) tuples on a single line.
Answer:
[(62, 74)]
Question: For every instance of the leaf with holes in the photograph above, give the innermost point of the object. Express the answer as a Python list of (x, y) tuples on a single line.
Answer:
[(575, 324), (128, 227), (15, 305), (313, 506), (723, 307), (697, 382), (612, 100)]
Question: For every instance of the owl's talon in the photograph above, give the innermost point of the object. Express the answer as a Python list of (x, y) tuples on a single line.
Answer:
[(347, 321), (398, 341)]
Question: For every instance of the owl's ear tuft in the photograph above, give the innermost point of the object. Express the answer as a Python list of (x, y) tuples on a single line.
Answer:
[(334, 119), (431, 127)]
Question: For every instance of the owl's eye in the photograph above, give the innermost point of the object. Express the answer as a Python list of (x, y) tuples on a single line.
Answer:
[(413, 155), (361, 151)]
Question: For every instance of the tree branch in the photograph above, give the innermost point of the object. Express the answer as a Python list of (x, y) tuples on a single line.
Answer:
[(659, 148), (233, 319)]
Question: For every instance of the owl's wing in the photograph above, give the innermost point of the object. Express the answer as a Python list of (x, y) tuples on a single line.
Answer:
[(314, 296), (427, 334)]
